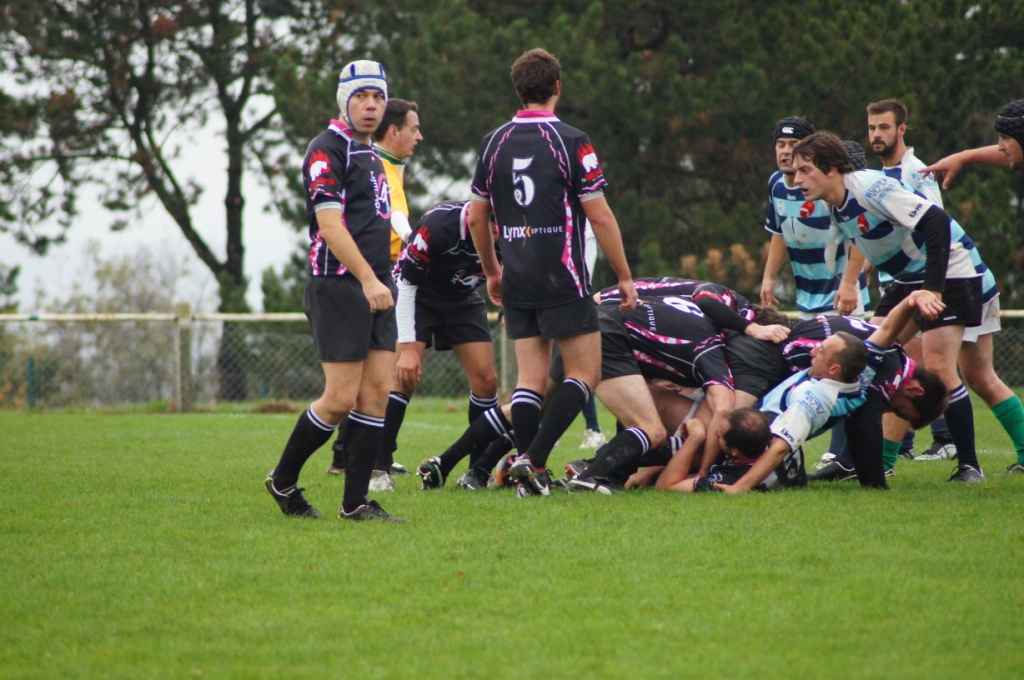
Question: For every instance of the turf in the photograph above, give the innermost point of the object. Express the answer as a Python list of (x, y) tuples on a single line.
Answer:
[(144, 546)]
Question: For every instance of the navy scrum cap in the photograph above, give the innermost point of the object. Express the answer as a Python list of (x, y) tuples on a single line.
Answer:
[(1010, 121), (856, 153), (794, 127)]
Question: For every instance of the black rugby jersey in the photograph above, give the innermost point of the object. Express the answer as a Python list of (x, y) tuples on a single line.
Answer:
[(342, 173), (534, 170), (441, 258), (672, 340), (691, 289), (891, 370)]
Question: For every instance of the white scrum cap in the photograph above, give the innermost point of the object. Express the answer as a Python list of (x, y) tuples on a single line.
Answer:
[(357, 76)]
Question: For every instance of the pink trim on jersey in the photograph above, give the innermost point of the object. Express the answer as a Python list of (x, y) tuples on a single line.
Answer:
[(341, 128), (567, 261), (648, 359), (490, 167), (314, 253), (663, 339), (535, 116)]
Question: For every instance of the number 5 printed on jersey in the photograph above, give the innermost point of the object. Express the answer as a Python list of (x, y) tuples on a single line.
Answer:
[(524, 183)]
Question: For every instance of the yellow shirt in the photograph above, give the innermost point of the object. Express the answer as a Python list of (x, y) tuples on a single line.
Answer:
[(394, 170)]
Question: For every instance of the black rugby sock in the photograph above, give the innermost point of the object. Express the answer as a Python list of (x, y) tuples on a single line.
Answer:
[(525, 417), (394, 416), (309, 434), (362, 441), (565, 405), (490, 426), (960, 418), (477, 406), (338, 447), (624, 449)]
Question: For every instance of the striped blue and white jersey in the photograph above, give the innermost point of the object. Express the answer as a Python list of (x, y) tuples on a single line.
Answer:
[(908, 171), (815, 246), (881, 214), (807, 406)]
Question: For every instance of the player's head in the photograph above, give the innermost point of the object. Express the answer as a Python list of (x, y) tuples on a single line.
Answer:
[(920, 399), (887, 123), (857, 158), (819, 163), (840, 357), (1010, 126), (789, 131), (362, 95), (399, 129), (825, 151), (767, 316), (536, 76), (746, 433)]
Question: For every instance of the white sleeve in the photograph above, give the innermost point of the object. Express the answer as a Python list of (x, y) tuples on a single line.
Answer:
[(400, 224), (808, 411), (887, 198), (405, 311)]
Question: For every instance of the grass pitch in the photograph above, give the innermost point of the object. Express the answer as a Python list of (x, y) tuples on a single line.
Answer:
[(144, 546)]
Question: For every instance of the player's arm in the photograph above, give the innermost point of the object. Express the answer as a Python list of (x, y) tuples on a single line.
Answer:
[(848, 295), (726, 318), (776, 256), (606, 230), (479, 217), (331, 223), (950, 166), (901, 314), (719, 400), (759, 471), (934, 225), (678, 468)]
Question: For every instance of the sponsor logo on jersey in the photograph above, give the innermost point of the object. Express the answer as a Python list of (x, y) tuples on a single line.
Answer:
[(862, 224), (510, 233), (807, 209), (319, 172), (880, 189), (588, 159), (814, 403), (916, 209), (382, 202)]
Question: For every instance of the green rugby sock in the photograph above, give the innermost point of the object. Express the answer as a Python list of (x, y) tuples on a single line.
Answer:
[(1010, 415), (890, 453)]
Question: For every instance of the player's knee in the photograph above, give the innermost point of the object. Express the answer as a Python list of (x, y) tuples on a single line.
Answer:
[(483, 384), (655, 432)]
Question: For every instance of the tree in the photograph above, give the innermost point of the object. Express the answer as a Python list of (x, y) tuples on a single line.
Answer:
[(107, 93)]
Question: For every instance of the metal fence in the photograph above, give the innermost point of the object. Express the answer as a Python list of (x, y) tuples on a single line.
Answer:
[(185, 361)]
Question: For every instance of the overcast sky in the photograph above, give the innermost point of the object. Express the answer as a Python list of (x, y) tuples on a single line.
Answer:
[(268, 241)]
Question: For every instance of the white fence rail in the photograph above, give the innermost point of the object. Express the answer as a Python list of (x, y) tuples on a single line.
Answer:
[(183, 361)]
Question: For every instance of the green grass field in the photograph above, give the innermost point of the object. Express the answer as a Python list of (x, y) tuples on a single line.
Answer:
[(144, 546)]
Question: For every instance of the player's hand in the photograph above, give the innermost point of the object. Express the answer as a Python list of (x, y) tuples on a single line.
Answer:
[(409, 368), (727, 488), (928, 302), (944, 169), (378, 295), (627, 295), (692, 428), (847, 299), (768, 298), (494, 289), (774, 333)]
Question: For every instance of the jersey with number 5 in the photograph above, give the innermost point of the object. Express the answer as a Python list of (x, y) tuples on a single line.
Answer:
[(536, 172)]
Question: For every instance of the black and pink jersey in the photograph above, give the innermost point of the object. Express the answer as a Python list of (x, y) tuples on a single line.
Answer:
[(441, 258), (690, 289), (892, 365), (672, 340), (344, 174), (536, 171)]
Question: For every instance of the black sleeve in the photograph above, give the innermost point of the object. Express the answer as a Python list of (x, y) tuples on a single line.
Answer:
[(864, 437), (935, 227), (720, 314)]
